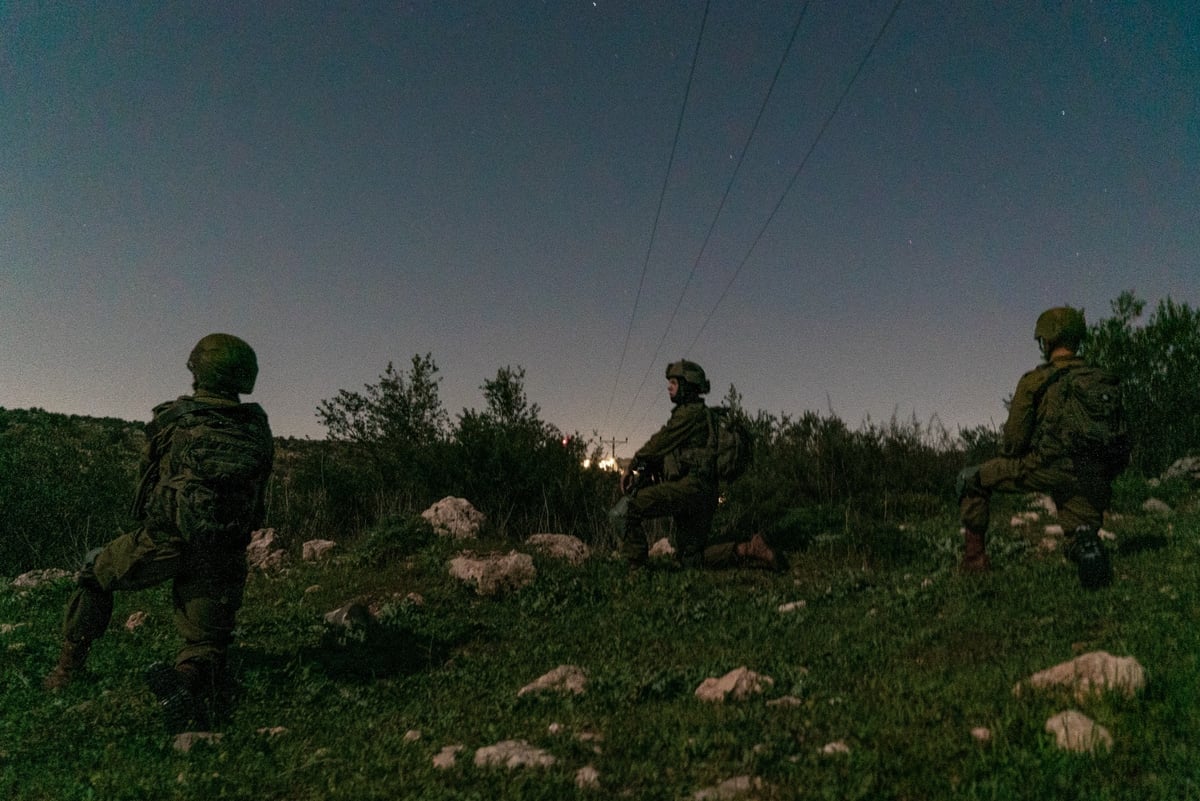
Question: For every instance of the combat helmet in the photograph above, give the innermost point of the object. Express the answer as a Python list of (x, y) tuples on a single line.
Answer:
[(1061, 326), (223, 363), (689, 373)]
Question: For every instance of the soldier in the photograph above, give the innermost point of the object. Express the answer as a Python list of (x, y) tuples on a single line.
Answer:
[(203, 478), (683, 454), (1065, 437)]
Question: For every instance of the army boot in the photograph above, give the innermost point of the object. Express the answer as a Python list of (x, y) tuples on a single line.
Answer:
[(756, 553), (1086, 551), (181, 709), (975, 558), (70, 664)]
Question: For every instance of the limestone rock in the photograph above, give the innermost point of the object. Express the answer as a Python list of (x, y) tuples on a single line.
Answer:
[(493, 574), (1053, 530), (1187, 467), (563, 546), (1075, 731), (513, 754), (564, 680), (836, 747), (455, 518), (1045, 503), (730, 788), (316, 550), (186, 741), (136, 620), (352, 615), (447, 757), (792, 606), (587, 778), (262, 553), (1091, 674), (738, 685), (1023, 519), (1156, 507), (36, 578), (982, 734), (662, 549)]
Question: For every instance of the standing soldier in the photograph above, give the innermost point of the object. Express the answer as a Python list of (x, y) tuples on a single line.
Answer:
[(683, 453), (1065, 436), (203, 479)]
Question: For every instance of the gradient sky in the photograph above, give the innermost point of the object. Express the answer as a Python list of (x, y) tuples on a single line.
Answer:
[(345, 185)]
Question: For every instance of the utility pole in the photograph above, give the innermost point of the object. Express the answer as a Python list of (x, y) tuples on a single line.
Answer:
[(613, 446)]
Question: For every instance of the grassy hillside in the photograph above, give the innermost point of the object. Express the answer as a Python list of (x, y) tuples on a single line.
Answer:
[(892, 654)]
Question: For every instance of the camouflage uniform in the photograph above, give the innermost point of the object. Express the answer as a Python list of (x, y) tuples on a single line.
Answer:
[(688, 491), (1035, 459), (1080, 489), (208, 573)]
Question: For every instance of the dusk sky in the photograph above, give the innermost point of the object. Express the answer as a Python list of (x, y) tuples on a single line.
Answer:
[(537, 184)]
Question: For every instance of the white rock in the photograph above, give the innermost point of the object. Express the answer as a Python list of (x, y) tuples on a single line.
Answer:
[(315, 550), (1156, 507), (564, 680), (1075, 731), (982, 734), (587, 778), (513, 754), (730, 788), (792, 606), (136, 620), (454, 517), (1053, 530), (261, 553), (563, 546), (493, 574), (447, 757), (836, 747), (738, 685), (1091, 674), (35, 578), (662, 549)]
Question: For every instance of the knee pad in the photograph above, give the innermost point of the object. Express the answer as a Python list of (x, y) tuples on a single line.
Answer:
[(968, 479), (87, 574)]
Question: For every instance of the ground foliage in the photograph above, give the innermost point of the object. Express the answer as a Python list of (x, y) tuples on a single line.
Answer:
[(893, 654)]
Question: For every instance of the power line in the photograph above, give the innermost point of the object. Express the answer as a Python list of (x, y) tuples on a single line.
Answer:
[(658, 213), (720, 207), (799, 169)]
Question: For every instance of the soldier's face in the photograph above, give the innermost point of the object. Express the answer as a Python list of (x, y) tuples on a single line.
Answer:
[(672, 387)]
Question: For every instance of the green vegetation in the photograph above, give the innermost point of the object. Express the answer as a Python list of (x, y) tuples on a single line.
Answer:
[(892, 653)]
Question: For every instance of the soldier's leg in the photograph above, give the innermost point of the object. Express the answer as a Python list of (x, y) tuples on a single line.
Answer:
[(631, 538), (657, 500), (975, 487), (1081, 513), (131, 561), (207, 597), (693, 526)]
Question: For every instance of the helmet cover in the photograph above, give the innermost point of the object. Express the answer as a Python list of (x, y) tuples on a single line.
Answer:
[(223, 363)]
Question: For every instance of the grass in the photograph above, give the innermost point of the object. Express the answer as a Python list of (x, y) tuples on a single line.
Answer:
[(893, 654)]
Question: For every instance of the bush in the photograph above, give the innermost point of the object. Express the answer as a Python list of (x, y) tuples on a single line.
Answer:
[(66, 484), (1159, 367)]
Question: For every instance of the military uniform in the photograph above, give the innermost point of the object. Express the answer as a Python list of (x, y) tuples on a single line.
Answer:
[(207, 577), (1080, 489), (194, 529), (1035, 458), (681, 450)]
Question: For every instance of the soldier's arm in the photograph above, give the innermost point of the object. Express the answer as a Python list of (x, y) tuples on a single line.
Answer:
[(1022, 416)]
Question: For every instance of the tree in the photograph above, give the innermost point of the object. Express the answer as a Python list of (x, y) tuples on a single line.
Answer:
[(1159, 367), (398, 423)]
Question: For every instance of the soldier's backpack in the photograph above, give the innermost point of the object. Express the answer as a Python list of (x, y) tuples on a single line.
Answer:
[(211, 472), (731, 439), (1087, 418)]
